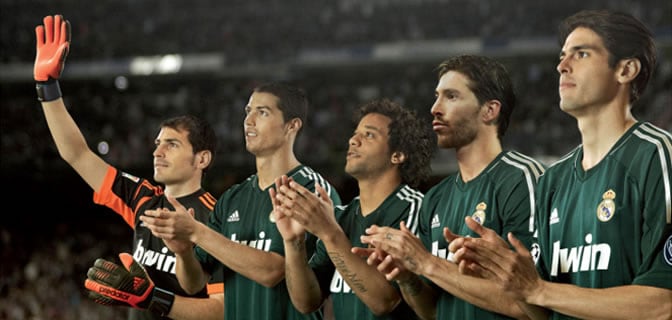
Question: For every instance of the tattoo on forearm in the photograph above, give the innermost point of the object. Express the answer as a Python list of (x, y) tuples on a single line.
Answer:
[(412, 287), (412, 262), (351, 277)]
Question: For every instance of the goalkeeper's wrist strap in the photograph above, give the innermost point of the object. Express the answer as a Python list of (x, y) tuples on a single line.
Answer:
[(162, 302), (48, 90)]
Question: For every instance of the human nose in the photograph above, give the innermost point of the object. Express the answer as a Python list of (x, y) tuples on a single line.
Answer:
[(436, 108), (158, 151), (355, 140), (249, 119), (563, 66)]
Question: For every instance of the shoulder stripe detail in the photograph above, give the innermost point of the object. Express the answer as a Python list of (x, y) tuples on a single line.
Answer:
[(536, 166), (208, 200), (322, 182), (415, 197), (663, 143), (312, 175), (306, 171), (530, 181)]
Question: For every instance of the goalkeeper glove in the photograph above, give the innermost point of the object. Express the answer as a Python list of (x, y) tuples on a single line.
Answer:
[(113, 285), (50, 59)]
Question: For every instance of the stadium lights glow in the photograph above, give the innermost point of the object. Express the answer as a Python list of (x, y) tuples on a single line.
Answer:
[(166, 64)]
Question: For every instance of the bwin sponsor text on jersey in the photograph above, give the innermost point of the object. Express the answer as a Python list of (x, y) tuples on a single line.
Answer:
[(164, 261), (581, 258)]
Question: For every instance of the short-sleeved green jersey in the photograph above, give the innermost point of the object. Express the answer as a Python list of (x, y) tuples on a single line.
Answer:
[(611, 225), (402, 205), (243, 214), (501, 198)]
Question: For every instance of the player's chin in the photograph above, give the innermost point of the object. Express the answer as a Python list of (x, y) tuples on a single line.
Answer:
[(353, 170), (445, 142), (159, 176)]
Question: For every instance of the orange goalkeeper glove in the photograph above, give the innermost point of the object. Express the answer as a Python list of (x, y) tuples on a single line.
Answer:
[(113, 285), (53, 43)]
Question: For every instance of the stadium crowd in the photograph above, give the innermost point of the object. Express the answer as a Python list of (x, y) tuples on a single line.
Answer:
[(270, 31), (45, 255)]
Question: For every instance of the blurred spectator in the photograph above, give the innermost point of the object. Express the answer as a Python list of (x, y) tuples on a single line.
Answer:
[(46, 253)]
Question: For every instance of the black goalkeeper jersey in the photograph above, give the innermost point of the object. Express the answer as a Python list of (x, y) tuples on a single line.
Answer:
[(130, 196)]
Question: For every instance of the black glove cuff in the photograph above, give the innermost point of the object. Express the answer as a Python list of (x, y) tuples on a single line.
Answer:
[(162, 302), (48, 90)]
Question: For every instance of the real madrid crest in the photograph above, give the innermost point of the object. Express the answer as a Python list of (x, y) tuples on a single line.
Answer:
[(479, 214), (607, 208)]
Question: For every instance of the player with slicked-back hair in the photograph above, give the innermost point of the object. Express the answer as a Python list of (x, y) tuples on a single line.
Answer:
[(292, 100), (623, 38), (488, 79), (604, 215)]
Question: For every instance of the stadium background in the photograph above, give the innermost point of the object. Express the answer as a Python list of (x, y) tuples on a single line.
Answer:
[(135, 62)]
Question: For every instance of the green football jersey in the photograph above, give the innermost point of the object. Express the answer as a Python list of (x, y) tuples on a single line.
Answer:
[(243, 214), (611, 225), (402, 205), (501, 198)]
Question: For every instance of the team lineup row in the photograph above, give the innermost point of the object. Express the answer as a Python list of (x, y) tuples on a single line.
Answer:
[(590, 236)]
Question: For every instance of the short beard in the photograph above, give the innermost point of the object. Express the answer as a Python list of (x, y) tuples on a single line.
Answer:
[(458, 138)]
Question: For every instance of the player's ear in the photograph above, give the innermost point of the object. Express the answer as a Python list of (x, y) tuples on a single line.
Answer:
[(294, 125), (398, 157), (628, 69), (490, 111), (203, 158)]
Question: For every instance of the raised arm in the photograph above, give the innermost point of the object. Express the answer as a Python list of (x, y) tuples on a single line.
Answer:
[(53, 42)]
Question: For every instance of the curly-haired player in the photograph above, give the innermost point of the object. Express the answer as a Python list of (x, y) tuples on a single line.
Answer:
[(389, 155)]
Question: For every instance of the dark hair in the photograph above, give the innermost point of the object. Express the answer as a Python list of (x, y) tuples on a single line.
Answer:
[(624, 37), (408, 135), (292, 100), (200, 134), (489, 80)]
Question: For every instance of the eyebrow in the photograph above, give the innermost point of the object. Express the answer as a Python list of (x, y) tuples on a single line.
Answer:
[(578, 48), (448, 90), (168, 140), (373, 128), (259, 107)]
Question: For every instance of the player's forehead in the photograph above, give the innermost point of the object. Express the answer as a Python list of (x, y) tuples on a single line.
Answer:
[(582, 38), (263, 100), (374, 122), (171, 134), (453, 81)]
